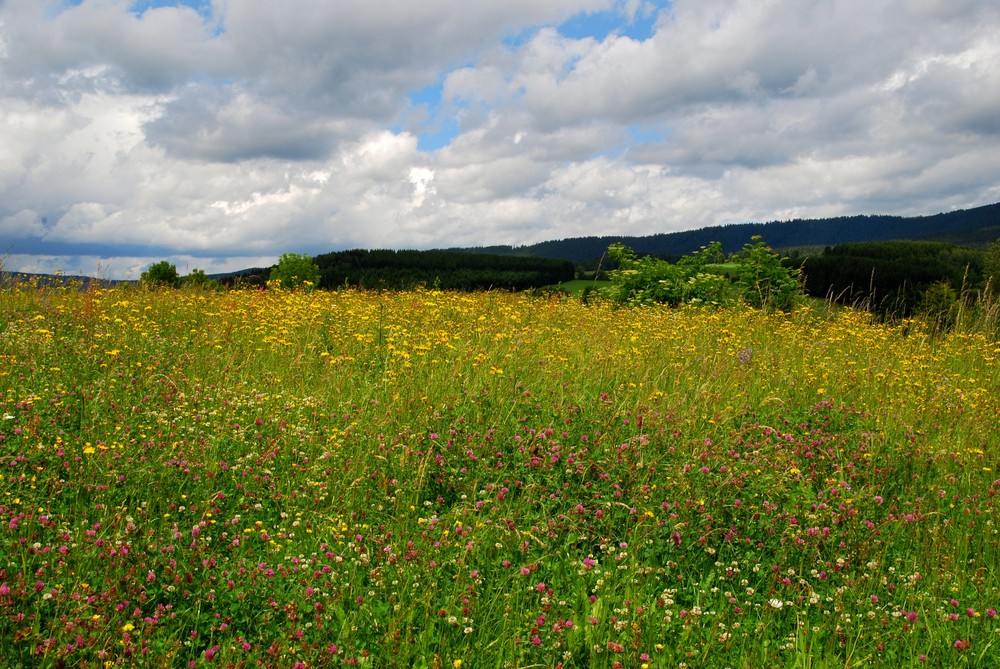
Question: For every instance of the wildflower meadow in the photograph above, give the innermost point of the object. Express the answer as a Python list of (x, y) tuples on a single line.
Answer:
[(269, 478)]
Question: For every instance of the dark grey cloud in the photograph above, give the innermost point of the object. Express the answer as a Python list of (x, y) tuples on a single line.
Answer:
[(220, 123)]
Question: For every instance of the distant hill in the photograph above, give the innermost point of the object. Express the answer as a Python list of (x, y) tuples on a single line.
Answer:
[(975, 227), (57, 280)]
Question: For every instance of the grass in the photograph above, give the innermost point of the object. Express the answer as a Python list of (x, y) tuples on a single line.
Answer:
[(577, 286), (441, 480)]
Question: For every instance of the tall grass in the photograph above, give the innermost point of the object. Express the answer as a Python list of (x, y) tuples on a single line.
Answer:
[(442, 480)]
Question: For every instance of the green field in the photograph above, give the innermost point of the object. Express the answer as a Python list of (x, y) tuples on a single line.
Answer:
[(267, 478)]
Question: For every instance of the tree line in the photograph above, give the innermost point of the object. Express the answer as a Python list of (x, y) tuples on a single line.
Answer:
[(384, 270), (445, 270), (895, 279), (892, 277)]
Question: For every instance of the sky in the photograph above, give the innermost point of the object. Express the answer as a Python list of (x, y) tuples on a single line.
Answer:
[(219, 134)]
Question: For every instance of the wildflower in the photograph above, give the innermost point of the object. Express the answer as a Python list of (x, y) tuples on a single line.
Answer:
[(776, 603)]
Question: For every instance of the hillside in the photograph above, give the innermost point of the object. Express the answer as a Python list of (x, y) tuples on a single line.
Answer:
[(967, 227)]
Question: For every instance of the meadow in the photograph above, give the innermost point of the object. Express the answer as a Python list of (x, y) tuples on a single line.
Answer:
[(431, 479)]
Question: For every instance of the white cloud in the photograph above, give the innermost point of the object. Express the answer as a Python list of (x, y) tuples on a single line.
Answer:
[(261, 129)]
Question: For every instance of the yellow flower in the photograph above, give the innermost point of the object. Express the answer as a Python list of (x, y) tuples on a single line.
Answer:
[(456, 664)]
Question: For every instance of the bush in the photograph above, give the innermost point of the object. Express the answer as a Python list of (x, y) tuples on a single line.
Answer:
[(760, 278), (649, 280), (198, 278), (160, 274), (294, 271), (763, 281)]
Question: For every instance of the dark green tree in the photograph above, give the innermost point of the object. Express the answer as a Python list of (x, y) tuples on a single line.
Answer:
[(197, 277), (939, 304), (160, 274), (991, 265), (294, 270)]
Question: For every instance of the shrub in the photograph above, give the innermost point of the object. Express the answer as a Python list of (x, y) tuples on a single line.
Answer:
[(650, 280), (763, 281), (160, 274), (294, 271), (760, 278), (197, 277)]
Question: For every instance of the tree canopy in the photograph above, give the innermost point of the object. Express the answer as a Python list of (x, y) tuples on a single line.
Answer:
[(161, 274), (294, 271)]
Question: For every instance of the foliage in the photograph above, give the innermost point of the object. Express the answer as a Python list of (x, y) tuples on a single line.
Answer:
[(294, 271), (439, 479), (764, 281), (760, 278), (161, 274), (991, 265), (650, 280), (939, 304), (198, 278), (890, 277)]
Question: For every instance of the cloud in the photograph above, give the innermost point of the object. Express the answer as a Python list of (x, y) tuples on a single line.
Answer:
[(154, 51), (242, 129)]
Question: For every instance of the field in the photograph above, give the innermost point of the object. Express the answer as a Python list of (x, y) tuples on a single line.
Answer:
[(429, 479)]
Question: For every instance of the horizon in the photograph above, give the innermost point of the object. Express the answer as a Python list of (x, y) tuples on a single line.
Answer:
[(218, 135), (184, 271)]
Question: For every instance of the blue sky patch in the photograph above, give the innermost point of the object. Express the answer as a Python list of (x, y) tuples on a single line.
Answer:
[(645, 135), (203, 7), (439, 135), (437, 131), (598, 25), (515, 40)]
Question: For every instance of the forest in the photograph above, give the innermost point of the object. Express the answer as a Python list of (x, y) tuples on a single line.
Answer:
[(974, 227), (892, 277), (438, 269)]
